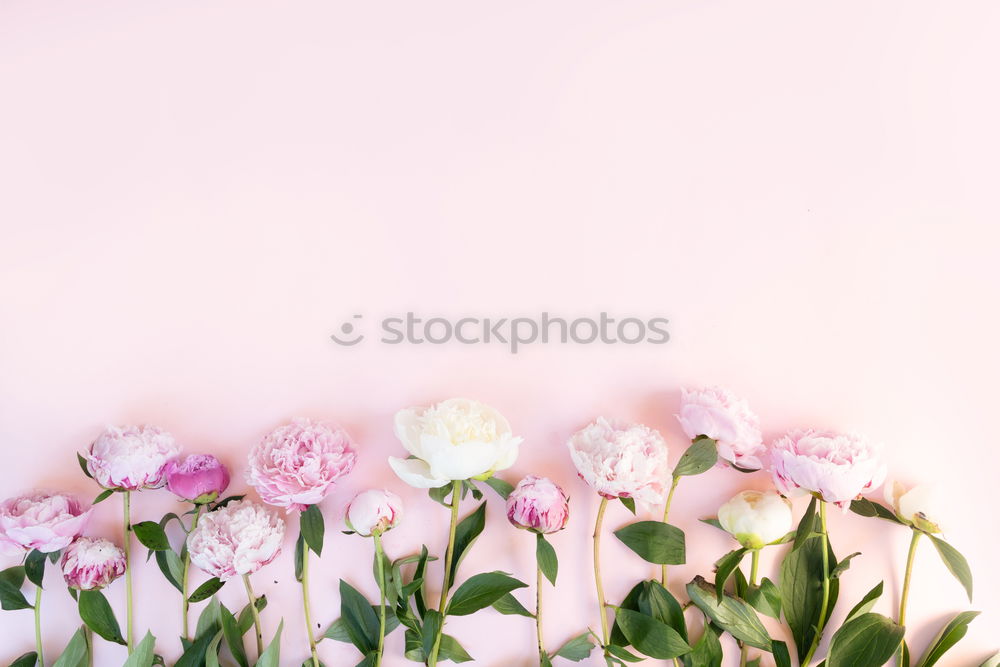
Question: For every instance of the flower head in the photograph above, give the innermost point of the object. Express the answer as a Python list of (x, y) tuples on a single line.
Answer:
[(756, 518), (237, 539), (373, 512), (297, 465), (727, 419), (620, 460), (454, 440), (838, 468), (44, 521), (131, 457), (92, 563), (538, 504), (199, 478), (919, 506)]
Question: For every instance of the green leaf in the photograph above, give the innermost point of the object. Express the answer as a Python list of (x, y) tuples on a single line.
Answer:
[(621, 654), (466, 532), (955, 562), (102, 496), (439, 494), (96, 612), (142, 655), (11, 580), (432, 624), (83, 465), (206, 590), (510, 606), (208, 620), (360, 621), (75, 652), (993, 661), (313, 527), (233, 636), (801, 586), (843, 565), (650, 636), (765, 598), (869, 640), (869, 508), (724, 569), (271, 657), (545, 556), (629, 503), (707, 651), (806, 525), (714, 522), (631, 602), (781, 656), (29, 659), (501, 487), (867, 602), (450, 649), (245, 620), (34, 567), (171, 566), (151, 535), (194, 655), (950, 634), (654, 541), (734, 616), (699, 457), (300, 556), (656, 601), (576, 649), (212, 652), (481, 591)]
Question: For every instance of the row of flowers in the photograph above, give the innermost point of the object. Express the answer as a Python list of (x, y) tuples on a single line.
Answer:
[(455, 449)]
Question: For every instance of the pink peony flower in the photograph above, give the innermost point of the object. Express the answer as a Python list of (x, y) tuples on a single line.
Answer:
[(538, 504), (620, 460), (727, 419), (131, 457), (297, 464), (374, 511), (92, 563), (44, 521), (838, 468), (199, 478), (237, 539)]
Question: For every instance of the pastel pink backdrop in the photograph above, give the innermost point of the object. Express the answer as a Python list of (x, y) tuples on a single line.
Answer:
[(193, 196)]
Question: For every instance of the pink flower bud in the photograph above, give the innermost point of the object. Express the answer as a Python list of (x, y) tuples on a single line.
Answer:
[(538, 504), (199, 478), (131, 457), (44, 521), (92, 563), (374, 512)]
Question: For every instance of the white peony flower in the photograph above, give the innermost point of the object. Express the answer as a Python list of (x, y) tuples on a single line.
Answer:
[(756, 518), (918, 505)]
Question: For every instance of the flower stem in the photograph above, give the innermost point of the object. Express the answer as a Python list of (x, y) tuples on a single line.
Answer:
[(821, 621), (127, 508), (255, 613), (89, 636), (905, 596), (306, 607), (542, 655), (597, 572), (666, 515), (456, 495), (754, 562), (184, 579), (38, 625), (380, 562)]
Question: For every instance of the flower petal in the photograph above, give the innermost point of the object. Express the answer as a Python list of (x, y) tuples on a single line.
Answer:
[(416, 473)]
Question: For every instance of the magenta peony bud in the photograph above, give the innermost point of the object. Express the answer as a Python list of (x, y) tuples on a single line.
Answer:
[(374, 512), (44, 521), (199, 478), (131, 457), (237, 539), (838, 468), (727, 419), (297, 464), (92, 563), (538, 504)]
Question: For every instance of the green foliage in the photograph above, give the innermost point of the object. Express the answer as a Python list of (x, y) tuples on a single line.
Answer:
[(699, 457), (868, 640), (546, 558), (313, 527), (731, 614), (654, 541), (96, 612), (950, 634)]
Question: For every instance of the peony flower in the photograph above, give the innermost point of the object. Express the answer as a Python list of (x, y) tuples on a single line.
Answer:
[(756, 518), (199, 478), (44, 521), (727, 419), (919, 506), (454, 440), (538, 504), (297, 465), (620, 460), (131, 457), (92, 563), (237, 539), (374, 512), (838, 468)]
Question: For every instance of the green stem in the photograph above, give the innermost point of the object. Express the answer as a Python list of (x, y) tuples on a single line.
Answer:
[(821, 621), (542, 655), (127, 508), (306, 606), (754, 562), (380, 562), (456, 495), (597, 572), (905, 597), (184, 579), (38, 625), (89, 636), (666, 515), (255, 613)]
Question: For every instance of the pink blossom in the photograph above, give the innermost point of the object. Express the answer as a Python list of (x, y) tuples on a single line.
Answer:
[(727, 419), (131, 457), (237, 539), (199, 478), (621, 460), (538, 504), (837, 467), (44, 521), (92, 563), (374, 511), (297, 464)]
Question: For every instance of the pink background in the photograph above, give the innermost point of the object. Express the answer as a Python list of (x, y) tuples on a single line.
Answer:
[(195, 195)]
